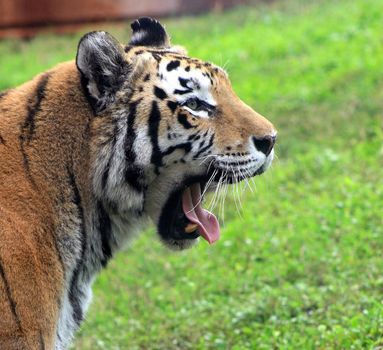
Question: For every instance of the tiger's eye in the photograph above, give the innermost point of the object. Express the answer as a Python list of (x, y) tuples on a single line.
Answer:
[(192, 104)]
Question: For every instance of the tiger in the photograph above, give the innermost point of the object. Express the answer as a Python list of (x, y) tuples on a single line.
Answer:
[(94, 150)]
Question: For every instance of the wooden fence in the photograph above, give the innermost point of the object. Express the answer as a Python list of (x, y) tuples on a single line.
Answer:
[(27, 17)]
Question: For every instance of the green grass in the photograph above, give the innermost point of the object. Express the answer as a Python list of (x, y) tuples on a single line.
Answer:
[(303, 267)]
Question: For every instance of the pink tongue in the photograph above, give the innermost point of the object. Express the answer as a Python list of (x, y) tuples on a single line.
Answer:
[(207, 223)]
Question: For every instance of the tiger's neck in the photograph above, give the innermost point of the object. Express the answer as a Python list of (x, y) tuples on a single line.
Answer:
[(95, 194)]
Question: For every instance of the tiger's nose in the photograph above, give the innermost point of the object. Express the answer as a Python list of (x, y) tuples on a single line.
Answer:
[(265, 144)]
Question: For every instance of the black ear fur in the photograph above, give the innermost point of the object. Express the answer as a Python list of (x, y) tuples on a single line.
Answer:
[(148, 32), (100, 60)]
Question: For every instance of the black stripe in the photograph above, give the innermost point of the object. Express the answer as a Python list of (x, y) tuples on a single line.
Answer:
[(182, 92), (173, 65), (133, 174), (202, 150), (26, 165), (59, 337), (28, 128), (156, 56), (2, 141), (128, 48), (105, 174), (183, 120), (201, 144), (194, 137), (34, 106), (12, 303), (154, 124), (184, 82), (42, 343), (105, 229), (186, 146), (74, 299), (161, 94), (76, 197), (74, 293), (147, 77), (130, 155), (172, 105)]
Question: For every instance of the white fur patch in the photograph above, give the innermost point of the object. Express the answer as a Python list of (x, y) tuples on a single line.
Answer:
[(200, 85), (142, 148), (139, 35)]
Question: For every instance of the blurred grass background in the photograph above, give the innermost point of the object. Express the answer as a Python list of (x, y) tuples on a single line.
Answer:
[(301, 267)]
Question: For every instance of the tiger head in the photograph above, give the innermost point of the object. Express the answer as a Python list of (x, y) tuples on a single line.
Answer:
[(168, 128)]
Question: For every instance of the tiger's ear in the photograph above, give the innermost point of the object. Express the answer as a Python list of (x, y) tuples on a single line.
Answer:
[(148, 32), (100, 60)]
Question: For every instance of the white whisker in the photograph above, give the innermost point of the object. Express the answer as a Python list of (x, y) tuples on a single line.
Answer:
[(210, 164), (204, 159), (223, 191), (204, 191), (233, 191), (237, 187), (207, 156), (247, 183), (213, 202)]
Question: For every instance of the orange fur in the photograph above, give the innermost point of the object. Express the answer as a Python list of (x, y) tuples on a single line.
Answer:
[(32, 274)]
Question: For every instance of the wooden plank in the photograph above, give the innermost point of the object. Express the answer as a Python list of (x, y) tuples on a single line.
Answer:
[(26, 18), (39, 12)]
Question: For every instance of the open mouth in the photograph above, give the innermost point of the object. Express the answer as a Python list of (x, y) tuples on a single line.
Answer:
[(183, 218), (200, 219)]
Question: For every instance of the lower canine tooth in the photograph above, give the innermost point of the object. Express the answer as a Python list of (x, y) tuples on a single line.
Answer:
[(191, 228)]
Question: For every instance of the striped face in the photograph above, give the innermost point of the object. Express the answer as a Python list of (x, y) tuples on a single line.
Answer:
[(181, 130), (175, 109), (192, 128)]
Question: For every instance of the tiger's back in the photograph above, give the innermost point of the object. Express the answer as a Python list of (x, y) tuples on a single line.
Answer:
[(36, 171)]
